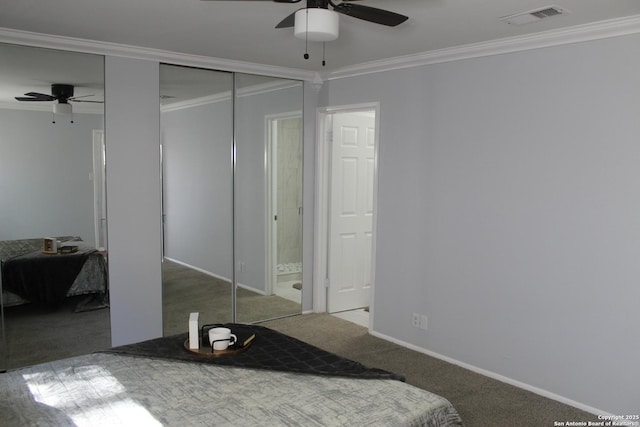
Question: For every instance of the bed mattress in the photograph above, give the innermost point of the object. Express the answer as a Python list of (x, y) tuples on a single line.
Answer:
[(115, 389)]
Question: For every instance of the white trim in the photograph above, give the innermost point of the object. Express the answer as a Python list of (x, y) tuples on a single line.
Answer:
[(493, 375), (321, 202), (576, 34), (271, 167), (196, 102), (580, 33), (320, 215), (51, 41), (99, 189), (268, 87), (208, 273), (226, 95)]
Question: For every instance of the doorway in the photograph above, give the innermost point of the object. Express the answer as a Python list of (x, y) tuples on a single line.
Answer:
[(346, 213), (284, 160)]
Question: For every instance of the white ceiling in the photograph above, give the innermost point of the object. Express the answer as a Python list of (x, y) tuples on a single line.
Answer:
[(244, 30)]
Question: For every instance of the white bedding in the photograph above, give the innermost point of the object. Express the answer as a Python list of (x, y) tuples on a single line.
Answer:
[(114, 390)]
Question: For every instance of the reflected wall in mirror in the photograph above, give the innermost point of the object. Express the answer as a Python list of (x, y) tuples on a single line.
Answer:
[(268, 197), (197, 138), (220, 211), (52, 185)]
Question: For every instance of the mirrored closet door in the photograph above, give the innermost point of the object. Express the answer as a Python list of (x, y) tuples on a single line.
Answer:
[(54, 298), (232, 191), (268, 197), (196, 120)]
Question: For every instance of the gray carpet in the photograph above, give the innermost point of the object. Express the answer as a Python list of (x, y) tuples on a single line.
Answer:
[(37, 335), (186, 290), (481, 401)]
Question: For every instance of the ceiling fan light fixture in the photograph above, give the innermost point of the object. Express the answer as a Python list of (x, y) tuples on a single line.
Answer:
[(62, 109), (316, 24)]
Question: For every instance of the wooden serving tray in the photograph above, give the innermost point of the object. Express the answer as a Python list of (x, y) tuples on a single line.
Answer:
[(207, 352)]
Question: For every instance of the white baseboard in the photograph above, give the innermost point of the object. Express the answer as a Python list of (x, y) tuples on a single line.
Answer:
[(208, 273), (490, 374)]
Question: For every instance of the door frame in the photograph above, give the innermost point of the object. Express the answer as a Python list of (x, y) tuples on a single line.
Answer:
[(321, 210), (271, 170), (99, 190)]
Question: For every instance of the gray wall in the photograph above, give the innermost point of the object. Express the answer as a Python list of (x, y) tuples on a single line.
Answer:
[(46, 170), (250, 181), (198, 182), (132, 130), (197, 186), (518, 225), (518, 239)]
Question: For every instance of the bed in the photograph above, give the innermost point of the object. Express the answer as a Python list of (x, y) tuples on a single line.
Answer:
[(159, 382), (28, 275)]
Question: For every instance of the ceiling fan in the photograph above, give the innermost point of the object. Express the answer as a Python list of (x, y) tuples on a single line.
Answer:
[(61, 93), (366, 13), (318, 22)]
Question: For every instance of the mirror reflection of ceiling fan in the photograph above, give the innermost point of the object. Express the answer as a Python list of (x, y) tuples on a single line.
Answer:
[(62, 94)]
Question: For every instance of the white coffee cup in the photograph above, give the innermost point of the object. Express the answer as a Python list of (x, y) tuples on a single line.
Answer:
[(221, 338)]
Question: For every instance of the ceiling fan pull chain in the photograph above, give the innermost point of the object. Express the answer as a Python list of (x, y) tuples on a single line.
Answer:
[(323, 48), (306, 36)]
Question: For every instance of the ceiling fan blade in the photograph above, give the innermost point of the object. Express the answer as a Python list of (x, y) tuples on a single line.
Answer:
[(82, 100), (75, 98), (371, 14), (288, 22), (35, 96)]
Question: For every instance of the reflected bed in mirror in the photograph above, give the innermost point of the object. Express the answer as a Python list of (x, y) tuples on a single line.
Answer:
[(54, 161)]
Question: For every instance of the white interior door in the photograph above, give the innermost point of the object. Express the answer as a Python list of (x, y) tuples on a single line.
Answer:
[(351, 211)]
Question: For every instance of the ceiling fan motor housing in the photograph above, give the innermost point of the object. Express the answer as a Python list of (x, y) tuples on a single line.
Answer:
[(62, 92), (316, 24)]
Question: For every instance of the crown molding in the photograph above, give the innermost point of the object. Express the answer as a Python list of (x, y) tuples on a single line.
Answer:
[(225, 96), (580, 33), (577, 34), (51, 41)]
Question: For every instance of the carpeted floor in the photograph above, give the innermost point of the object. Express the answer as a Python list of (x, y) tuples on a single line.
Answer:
[(37, 335), (480, 401), (186, 290)]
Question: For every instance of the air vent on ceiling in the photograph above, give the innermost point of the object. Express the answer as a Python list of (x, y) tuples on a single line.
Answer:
[(533, 15)]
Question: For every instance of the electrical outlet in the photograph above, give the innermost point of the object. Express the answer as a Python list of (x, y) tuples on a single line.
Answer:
[(415, 320), (424, 322)]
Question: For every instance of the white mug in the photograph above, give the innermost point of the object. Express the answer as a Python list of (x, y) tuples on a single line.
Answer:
[(221, 338)]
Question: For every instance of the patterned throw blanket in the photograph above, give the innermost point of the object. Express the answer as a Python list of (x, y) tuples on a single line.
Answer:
[(270, 350), (43, 278)]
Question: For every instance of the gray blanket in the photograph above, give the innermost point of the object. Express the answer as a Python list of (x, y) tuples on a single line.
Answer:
[(111, 389), (270, 350), (43, 278)]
